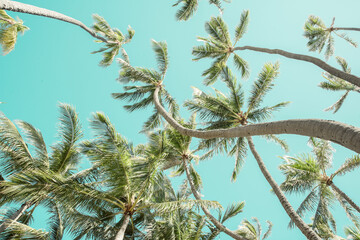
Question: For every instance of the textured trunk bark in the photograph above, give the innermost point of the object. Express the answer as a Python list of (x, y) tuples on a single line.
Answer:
[(15, 216), (340, 133), (304, 228), (346, 197), (318, 62), (346, 29), (26, 8), (121, 233), (218, 224)]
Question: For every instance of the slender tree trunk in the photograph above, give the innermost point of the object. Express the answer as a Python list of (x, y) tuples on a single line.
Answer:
[(121, 233), (29, 9), (218, 224), (340, 133), (15, 216), (346, 197), (304, 228), (316, 61), (346, 28)]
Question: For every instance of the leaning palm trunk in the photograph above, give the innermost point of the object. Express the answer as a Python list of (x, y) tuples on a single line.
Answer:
[(218, 224), (26, 8), (15, 216), (337, 132), (316, 61), (121, 233), (304, 228), (346, 28), (346, 197)]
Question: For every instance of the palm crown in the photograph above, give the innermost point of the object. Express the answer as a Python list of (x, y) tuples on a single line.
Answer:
[(228, 111), (320, 36), (308, 173), (31, 176), (149, 80), (219, 47), (115, 39), (9, 30), (189, 7), (337, 84), (130, 180)]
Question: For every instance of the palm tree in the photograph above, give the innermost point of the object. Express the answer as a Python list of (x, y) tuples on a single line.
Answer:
[(129, 180), (9, 30), (113, 38), (189, 8), (308, 173), (337, 84), (320, 36), (228, 111), (219, 47), (149, 80), (29, 175), (176, 150), (251, 232)]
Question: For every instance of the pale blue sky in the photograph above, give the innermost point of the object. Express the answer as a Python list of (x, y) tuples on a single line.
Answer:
[(52, 63)]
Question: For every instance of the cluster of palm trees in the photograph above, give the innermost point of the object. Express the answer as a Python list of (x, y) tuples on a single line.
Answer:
[(125, 194)]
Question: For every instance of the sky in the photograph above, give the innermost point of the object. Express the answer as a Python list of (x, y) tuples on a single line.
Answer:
[(52, 63)]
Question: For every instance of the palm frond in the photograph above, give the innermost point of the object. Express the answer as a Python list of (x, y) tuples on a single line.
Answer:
[(160, 49), (232, 210), (9, 30), (241, 29), (14, 153), (241, 65), (349, 165), (188, 9), (323, 151), (65, 153), (263, 84)]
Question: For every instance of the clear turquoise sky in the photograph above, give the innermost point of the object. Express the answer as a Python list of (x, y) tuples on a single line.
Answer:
[(52, 63)]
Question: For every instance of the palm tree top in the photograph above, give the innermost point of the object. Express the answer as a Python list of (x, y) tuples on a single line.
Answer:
[(309, 172), (218, 45)]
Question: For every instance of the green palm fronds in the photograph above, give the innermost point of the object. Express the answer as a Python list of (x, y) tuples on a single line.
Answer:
[(337, 84), (251, 232), (9, 30), (189, 7), (115, 39), (320, 36), (218, 46), (229, 110), (308, 172), (141, 96)]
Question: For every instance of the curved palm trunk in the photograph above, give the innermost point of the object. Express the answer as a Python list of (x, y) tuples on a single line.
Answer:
[(218, 224), (304, 228), (340, 133), (346, 28), (15, 216), (121, 233), (26, 8), (316, 61), (346, 197)]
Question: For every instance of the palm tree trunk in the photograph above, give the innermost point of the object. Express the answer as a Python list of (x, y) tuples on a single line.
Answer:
[(340, 133), (218, 224), (346, 197), (121, 233), (15, 216), (26, 8), (304, 228), (316, 61), (346, 28)]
